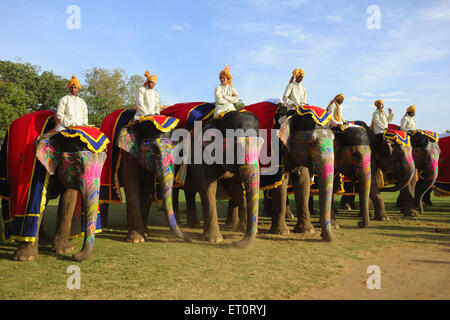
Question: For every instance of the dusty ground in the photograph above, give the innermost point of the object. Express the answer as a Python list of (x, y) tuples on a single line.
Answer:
[(406, 273)]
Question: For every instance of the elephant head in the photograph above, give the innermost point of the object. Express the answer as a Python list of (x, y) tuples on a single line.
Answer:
[(308, 144), (153, 150), (79, 168)]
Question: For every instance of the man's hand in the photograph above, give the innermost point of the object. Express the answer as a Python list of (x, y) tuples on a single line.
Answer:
[(390, 110)]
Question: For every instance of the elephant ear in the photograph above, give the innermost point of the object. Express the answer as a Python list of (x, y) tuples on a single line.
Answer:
[(47, 155), (284, 132), (127, 141)]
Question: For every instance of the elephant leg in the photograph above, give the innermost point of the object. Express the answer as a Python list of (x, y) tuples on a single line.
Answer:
[(364, 175), (377, 201), (302, 188), (104, 211), (176, 207), (211, 230), (406, 200), (267, 205), (334, 223), (289, 213), (67, 204), (191, 209), (279, 208), (232, 214), (28, 251), (147, 191), (129, 174)]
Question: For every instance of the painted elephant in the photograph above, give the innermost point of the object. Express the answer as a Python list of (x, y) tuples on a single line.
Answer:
[(234, 174), (425, 150), (307, 149), (353, 159), (65, 166), (389, 154), (145, 169)]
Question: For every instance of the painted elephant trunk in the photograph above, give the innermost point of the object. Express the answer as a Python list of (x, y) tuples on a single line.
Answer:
[(165, 176), (250, 175), (90, 191)]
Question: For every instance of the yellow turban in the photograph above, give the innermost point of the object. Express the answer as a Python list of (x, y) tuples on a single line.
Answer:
[(74, 81), (226, 72), (338, 115), (298, 72), (149, 77), (411, 108), (379, 101)]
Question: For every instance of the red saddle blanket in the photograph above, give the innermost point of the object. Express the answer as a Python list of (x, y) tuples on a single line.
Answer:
[(399, 137)]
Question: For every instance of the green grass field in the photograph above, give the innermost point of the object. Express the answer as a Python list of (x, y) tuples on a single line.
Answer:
[(275, 267)]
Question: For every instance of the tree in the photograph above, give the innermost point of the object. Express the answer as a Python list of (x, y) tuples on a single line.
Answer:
[(107, 90), (13, 104), (239, 105)]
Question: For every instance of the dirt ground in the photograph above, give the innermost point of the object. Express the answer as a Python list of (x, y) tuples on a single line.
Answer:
[(405, 273)]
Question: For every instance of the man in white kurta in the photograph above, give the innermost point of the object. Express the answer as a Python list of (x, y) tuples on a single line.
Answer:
[(335, 109), (147, 98), (295, 93), (380, 119), (408, 122), (72, 110), (225, 94)]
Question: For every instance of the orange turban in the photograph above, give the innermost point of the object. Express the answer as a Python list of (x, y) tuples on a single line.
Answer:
[(378, 102), (149, 77), (411, 108), (296, 73), (226, 72), (74, 81)]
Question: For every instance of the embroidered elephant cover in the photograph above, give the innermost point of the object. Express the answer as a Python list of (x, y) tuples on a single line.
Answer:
[(23, 178), (442, 184)]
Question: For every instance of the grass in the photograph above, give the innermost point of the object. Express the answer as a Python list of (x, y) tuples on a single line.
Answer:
[(164, 267)]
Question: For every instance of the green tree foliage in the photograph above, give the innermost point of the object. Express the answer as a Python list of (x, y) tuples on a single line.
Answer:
[(107, 90), (24, 89), (239, 105)]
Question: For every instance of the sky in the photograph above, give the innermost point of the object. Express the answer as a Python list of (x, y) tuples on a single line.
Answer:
[(394, 50)]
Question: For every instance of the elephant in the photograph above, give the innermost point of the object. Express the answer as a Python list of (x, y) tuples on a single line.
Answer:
[(64, 165), (228, 177), (353, 159), (425, 151), (307, 148), (390, 156), (145, 169)]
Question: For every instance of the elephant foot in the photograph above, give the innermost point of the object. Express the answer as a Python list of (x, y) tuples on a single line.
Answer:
[(213, 237), (346, 206), (281, 230), (289, 214), (382, 217), (245, 242), (362, 224), (134, 237), (327, 234), (27, 251), (409, 212), (61, 246), (334, 224), (304, 228)]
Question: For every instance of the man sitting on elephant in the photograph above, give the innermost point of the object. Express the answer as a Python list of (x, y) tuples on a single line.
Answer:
[(147, 98), (72, 110), (225, 94), (380, 121), (295, 93), (335, 109), (408, 122)]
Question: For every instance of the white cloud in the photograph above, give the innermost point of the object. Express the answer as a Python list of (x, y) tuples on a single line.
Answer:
[(439, 13), (333, 18), (180, 27), (290, 31)]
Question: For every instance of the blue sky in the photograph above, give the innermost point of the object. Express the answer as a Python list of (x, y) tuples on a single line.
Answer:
[(186, 43)]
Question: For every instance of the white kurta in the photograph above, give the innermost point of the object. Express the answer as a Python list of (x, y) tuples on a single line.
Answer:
[(147, 101), (71, 111), (295, 94), (226, 97), (380, 121), (333, 109), (408, 123)]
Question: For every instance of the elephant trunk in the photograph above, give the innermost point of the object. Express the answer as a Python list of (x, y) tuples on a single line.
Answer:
[(165, 175), (90, 191), (365, 180), (250, 176), (323, 157)]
